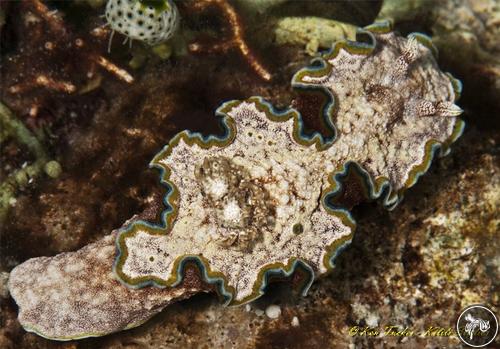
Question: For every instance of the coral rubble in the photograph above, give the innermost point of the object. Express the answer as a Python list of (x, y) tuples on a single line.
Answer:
[(262, 200), (312, 32), (232, 38)]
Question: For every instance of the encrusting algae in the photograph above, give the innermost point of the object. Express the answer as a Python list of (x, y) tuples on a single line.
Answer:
[(257, 202)]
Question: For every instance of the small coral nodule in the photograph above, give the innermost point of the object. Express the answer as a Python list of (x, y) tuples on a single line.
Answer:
[(150, 21), (258, 202)]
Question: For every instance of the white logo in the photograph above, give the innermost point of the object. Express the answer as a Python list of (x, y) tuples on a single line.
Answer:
[(473, 323), (477, 326)]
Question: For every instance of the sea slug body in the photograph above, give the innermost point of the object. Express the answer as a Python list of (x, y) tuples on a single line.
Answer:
[(260, 200), (149, 21)]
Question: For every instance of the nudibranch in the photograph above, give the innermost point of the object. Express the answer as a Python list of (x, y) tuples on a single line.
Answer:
[(258, 202), (150, 21)]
